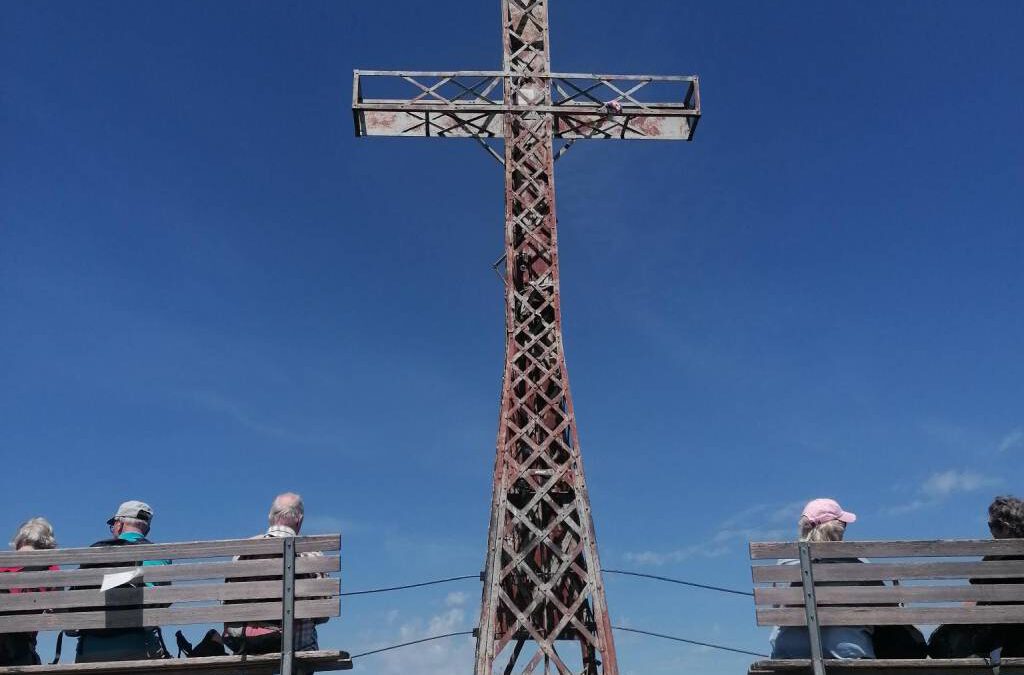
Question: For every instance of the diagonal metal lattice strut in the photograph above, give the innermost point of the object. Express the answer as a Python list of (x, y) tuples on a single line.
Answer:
[(543, 608)]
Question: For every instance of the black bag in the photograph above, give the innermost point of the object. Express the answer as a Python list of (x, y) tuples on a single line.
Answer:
[(211, 645), (951, 641), (899, 642), (267, 643), (18, 649), (263, 643)]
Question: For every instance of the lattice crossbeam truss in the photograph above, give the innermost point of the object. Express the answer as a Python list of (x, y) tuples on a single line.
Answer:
[(542, 581), (472, 104)]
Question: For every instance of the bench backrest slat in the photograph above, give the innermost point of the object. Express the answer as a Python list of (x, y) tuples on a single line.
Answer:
[(127, 618), (159, 595), (185, 551), (889, 549), (162, 573), (893, 583), (203, 584), (852, 572), (892, 595), (892, 616)]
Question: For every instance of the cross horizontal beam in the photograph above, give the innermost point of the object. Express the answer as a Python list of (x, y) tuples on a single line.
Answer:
[(468, 104)]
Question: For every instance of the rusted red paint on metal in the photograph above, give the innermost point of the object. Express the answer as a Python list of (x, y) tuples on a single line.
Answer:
[(543, 599), (543, 576), (384, 120), (586, 106)]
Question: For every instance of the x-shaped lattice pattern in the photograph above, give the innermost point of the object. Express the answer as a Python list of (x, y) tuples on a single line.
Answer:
[(543, 577)]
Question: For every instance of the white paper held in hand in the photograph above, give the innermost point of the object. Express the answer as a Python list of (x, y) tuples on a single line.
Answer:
[(119, 579)]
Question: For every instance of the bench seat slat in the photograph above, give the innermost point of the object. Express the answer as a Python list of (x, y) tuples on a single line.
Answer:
[(168, 616), (119, 597), (261, 663), (175, 572), (1006, 569), (183, 551), (890, 549), (888, 616), (972, 666)]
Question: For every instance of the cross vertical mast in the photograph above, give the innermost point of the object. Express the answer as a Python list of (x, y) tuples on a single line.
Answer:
[(542, 582)]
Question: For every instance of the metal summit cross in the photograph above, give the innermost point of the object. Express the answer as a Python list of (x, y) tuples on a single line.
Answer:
[(542, 582)]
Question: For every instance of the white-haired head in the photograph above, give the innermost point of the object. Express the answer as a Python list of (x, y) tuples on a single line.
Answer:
[(34, 533), (287, 510)]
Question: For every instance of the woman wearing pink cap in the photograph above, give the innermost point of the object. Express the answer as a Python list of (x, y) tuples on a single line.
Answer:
[(823, 520)]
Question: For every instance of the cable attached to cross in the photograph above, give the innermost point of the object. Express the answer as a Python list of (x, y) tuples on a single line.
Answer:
[(673, 638), (681, 582), (417, 585)]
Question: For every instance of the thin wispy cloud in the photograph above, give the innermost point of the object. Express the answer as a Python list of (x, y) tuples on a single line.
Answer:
[(242, 416), (940, 486), (1012, 441), (946, 483), (455, 599), (761, 522), (441, 657)]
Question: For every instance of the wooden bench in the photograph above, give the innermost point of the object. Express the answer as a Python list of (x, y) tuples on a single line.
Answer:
[(926, 584), (203, 585)]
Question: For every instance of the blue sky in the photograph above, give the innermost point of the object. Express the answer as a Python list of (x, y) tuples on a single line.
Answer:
[(212, 292)]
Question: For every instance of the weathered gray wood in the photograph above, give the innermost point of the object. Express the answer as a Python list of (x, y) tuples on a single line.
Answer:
[(891, 549), (888, 616), (176, 572), (179, 551), (250, 590), (865, 595), (318, 660), (811, 608), (1014, 666), (126, 618), (1002, 569)]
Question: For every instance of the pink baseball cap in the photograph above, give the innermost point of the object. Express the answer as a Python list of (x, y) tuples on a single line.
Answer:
[(820, 511)]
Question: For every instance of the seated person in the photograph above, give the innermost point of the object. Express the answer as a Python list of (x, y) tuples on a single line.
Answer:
[(129, 526), (264, 637), (1005, 521), (19, 649), (823, 520)]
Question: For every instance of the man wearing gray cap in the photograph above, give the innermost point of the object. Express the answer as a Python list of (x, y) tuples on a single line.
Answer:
[(129, 525)]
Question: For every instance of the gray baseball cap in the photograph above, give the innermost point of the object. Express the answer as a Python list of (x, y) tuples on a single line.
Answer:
[(133, 509)]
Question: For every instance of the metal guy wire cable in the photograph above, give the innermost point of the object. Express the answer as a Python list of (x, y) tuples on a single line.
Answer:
[(414, 642), (622, 628), (681, 582), (690, 642), (418, 585)]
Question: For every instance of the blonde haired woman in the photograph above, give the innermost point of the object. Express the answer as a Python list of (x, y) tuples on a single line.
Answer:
[(19, 649), (823, 520)]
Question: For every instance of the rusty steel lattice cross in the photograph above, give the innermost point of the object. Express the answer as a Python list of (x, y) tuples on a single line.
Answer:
[(542, 581)]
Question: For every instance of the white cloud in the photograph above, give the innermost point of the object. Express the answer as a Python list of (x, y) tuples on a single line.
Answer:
[(1012, 440), (761, 522), (455, 599), (239, 414), (941, 485), (909, 507), (438, 657)]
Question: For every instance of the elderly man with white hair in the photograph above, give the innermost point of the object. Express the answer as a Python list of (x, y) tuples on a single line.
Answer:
[(264, 637)]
